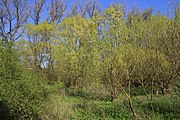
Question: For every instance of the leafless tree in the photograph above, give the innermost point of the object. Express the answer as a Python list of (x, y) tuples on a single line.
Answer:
[(56, 11), (84, 8), (13, 15), (37, 10), (92, 7)]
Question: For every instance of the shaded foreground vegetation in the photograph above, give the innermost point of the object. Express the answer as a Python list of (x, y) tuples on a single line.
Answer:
[(89, 64)]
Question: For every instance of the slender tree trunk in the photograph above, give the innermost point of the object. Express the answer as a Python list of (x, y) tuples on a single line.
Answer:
[(113, 94), (128, 95), (130, 104), (152, 89)]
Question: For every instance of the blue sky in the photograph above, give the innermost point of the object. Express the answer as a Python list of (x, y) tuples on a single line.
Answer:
[(142, 4), (161, 5)]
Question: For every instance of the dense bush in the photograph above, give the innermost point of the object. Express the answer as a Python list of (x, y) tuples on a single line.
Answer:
[(21, 93), (23, 98)]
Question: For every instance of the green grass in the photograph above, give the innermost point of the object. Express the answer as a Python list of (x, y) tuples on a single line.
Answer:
[(166, 106), (81, 108)]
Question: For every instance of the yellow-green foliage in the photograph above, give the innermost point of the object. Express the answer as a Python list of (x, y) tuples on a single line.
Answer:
[(42, 28), (94, 58)]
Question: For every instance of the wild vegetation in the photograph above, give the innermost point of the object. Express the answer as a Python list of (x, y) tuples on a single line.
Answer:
[(83, 62)]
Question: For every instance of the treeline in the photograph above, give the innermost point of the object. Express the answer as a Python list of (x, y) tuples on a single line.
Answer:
[(82, 50)]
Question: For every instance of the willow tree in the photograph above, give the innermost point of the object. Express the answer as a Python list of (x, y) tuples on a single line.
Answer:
[(152, 35), (112, 33), (78, 38), (170, 47), (113, 37), (39, 37)]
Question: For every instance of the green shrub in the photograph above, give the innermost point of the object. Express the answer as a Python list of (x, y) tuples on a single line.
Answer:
[(23, 99), (21, 93)]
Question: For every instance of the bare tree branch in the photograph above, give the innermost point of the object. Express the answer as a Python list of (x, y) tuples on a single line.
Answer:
[(37, 10), (13, 15), (56, 11), (84, 8)]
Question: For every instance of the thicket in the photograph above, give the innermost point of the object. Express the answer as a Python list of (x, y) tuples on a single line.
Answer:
[(90, 64)]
